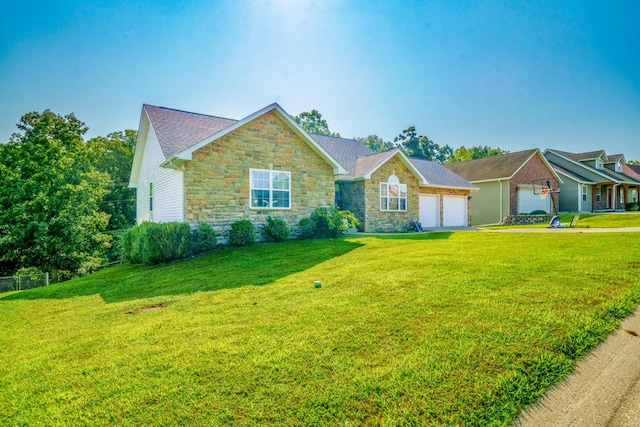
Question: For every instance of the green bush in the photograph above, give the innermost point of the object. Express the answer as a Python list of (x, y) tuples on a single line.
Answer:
[(203, 239), (327, 222), (242, 233), (634, 206), (306, 228), (275, 230), (154, 243)]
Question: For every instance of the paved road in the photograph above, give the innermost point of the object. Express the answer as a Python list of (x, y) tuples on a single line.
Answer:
[(604, 391)]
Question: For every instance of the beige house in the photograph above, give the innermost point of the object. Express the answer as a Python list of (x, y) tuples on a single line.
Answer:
[(199, 168), (505, 185)]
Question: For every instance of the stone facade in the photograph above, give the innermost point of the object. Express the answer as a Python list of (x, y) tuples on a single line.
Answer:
[(216, 180), (535, 168), (526, 219), (351, 196), (376, 220)]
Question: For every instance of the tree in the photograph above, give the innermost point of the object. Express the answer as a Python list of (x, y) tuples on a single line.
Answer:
[(463, 153), (376, 143), (312, 122), (633, 162), (113, 155), (49, 216), (420, 146)]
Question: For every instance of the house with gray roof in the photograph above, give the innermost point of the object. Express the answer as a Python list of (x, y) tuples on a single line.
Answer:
[(505, 185), (200, 168), (593, 181)]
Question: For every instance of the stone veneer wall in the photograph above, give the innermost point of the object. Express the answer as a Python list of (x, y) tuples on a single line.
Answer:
[(352, 196), (448, 192), (526, 219), (216, 181), (376, 220)]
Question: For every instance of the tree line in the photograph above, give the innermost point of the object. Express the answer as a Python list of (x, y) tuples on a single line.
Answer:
[(412, 144), (62, 197)]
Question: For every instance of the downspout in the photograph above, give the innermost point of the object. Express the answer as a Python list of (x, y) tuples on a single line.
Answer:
[(501, 210), (579, 197)]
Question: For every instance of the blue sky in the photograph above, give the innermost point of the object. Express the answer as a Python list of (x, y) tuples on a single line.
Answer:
[(514, 75)]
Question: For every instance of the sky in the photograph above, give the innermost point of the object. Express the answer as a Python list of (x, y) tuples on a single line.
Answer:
[(515, 75)]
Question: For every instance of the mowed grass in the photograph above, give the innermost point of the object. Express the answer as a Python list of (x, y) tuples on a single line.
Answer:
[(459, 328), (589, 220)]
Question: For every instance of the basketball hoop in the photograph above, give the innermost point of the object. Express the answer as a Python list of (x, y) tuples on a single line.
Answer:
[(543, 193)]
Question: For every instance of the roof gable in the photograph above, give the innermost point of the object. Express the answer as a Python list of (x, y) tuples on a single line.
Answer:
[(178, 130), (492, 168)]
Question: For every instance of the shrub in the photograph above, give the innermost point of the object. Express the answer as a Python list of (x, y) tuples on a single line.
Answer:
[(154, 243), (275, 230), (328, 222), (538, 212), (634, 206), (203, 239), (242, 233), (306, 228)]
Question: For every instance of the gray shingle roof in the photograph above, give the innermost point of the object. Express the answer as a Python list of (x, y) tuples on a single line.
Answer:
[(578, 157), (178, 130), (438, 175), (571, 174), (345, 151), (488, 168)]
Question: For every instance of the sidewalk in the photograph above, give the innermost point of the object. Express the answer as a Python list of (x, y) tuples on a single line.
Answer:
[(603, 391)]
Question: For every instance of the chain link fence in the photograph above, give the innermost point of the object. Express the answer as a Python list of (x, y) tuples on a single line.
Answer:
[(18, 283)]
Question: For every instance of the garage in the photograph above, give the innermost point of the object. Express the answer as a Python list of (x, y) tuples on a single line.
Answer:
[(454, 211), (529, 202), (429, 210)]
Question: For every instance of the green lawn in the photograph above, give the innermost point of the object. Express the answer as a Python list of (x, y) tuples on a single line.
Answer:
[(459, 328), (590, 220)]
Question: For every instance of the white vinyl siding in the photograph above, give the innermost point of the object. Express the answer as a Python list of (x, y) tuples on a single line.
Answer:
[(168, 195)]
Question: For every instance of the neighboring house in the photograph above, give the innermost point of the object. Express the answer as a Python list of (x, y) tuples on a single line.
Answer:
[(593, 181), (505, 184), (199, 168)]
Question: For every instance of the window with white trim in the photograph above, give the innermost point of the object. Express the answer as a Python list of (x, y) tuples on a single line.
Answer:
[(584, 193), (599, 163), (621, 195), (393, 195), (270, 189), (598, 194)]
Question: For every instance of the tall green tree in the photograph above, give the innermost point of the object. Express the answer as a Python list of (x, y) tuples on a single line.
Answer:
[(420, 146), (376, 143), (463, 153), (312, 122), (113, 155), (49, 216)]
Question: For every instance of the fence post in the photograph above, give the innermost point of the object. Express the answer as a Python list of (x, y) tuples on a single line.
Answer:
[(19, 287), (46, 278)]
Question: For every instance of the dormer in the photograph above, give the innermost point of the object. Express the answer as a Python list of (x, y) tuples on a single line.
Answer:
[(615, 162)]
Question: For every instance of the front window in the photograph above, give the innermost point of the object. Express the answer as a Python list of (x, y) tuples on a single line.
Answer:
[(621, 193), (584, 193), (599, 164), (598, 194), (393, 195), (270, 189)]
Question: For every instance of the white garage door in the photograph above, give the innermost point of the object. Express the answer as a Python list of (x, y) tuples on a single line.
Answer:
[(454, 211), (529, 202), (429, 210)]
